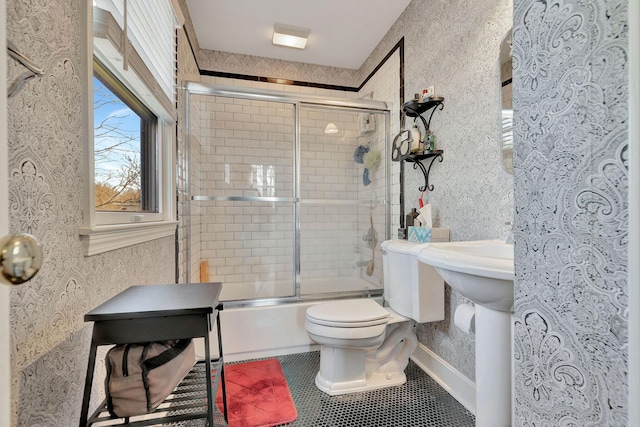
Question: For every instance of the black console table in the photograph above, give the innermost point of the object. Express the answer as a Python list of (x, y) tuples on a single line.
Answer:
[(156, 313)]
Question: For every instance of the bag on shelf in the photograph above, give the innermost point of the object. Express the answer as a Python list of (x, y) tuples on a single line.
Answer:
[(141, 376)]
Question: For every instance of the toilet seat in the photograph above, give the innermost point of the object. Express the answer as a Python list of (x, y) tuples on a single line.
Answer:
[(359, 313), (358, 337), (355, 320)]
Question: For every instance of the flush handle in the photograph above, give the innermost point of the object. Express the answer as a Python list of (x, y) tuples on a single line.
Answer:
[(20, 258)]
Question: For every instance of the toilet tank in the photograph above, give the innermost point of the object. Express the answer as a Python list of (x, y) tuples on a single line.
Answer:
[(411, 288)]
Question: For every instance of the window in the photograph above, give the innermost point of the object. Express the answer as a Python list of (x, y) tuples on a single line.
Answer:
[(124, 148), (131, 131)]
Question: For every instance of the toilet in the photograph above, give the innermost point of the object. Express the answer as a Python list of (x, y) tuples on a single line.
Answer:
[(365, 346)]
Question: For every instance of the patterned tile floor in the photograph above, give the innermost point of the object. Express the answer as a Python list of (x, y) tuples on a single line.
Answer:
[(421, 402)]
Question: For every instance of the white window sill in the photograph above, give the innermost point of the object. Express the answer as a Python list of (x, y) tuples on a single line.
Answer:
[(104, 238)]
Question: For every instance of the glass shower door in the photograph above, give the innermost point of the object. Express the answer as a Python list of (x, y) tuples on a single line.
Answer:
[(242, 160), (342, 196)]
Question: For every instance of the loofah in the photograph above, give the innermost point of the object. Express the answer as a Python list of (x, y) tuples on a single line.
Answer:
[(372, 159)]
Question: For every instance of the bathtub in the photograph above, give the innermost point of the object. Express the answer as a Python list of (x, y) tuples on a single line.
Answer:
[(274, 330), (283, 288)]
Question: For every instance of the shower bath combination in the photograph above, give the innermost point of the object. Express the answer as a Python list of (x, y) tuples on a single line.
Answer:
[(276, 206)]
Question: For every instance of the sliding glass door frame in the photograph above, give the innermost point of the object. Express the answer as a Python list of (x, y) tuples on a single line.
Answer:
[(297, 100)]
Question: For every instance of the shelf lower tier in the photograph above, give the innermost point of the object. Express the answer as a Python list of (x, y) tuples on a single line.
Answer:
[(187, 402)]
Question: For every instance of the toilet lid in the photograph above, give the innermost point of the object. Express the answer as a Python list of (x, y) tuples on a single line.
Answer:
[(348, 313)]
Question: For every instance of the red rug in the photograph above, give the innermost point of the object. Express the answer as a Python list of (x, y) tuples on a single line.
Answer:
[(257, 395)]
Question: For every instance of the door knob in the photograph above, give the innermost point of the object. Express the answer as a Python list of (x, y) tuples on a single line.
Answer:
[(20, 258)]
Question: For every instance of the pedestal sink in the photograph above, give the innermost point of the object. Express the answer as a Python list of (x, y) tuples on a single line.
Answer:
[(483, 272)]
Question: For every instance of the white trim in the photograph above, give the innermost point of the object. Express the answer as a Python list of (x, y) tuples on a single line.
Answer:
[(634, 213), (452, 380), (106, 238), (5, 365), (88, 201), (177, 10)]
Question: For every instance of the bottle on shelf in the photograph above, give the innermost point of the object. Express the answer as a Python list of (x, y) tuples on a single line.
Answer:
[(411, 218)]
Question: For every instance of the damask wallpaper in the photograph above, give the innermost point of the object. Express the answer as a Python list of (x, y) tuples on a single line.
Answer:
[(571, 197), (49, 340), (275, 68)]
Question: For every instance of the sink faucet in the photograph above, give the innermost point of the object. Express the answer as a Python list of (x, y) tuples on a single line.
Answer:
[(509, 240)]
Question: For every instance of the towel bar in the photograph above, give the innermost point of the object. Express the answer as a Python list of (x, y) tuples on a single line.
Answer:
[(34, 70)]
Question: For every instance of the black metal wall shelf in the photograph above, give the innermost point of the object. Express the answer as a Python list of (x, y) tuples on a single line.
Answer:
[(417, 159), (414, 108)]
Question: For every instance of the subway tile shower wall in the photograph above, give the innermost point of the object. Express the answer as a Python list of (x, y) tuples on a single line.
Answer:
[(246, 151)]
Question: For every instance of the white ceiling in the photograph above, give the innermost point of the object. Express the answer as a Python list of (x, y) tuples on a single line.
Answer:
[(343, 32)]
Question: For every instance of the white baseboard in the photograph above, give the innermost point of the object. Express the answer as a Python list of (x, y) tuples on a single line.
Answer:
[(452, 380)]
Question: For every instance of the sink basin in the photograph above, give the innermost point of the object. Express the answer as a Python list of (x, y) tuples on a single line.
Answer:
[(480, 270)]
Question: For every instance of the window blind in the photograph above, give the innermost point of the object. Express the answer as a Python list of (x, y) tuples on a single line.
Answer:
[(151, 26)]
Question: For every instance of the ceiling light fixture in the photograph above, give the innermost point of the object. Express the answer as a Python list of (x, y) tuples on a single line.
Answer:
[(290, 36), (331, 128)]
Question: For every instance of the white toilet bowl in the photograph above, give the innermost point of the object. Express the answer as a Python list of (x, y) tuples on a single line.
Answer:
[(356, 347), (365, 346)]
